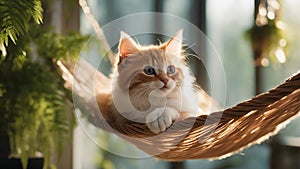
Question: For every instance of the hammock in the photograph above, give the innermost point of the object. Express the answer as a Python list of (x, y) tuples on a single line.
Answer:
[(213, 136)]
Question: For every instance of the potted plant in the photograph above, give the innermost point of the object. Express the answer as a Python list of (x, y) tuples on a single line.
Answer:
[(33, 100)]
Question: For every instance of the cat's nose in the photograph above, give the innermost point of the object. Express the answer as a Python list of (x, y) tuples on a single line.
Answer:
[(164, 80)]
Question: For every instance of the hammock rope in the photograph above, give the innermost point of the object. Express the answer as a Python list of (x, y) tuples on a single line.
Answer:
[(213, 136), (241, 126)]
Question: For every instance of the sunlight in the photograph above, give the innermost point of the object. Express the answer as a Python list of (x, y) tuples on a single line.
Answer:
[(280, 55), (271, 15), (265, 62), (282, 42), (262, 11), (281, 25)]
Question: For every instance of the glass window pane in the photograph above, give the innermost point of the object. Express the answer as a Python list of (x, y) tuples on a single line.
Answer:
[(227, 22)]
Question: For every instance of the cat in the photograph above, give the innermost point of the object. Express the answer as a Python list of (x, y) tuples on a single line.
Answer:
[(150, 84)]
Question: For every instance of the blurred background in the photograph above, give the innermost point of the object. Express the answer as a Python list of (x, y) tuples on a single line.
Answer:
[(257, 41)]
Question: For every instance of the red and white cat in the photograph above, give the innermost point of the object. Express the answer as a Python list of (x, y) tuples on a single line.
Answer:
[(150, 84)]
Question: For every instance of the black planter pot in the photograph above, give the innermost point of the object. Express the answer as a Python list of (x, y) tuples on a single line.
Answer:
[(15, 163), (4, 145)]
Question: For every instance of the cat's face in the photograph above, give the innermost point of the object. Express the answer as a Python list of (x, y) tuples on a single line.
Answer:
[(142, 70)]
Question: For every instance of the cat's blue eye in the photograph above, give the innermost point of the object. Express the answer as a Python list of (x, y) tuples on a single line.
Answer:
[(170, 69), (148, 70)]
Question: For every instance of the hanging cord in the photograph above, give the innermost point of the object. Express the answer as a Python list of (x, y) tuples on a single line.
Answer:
[(97, 28)]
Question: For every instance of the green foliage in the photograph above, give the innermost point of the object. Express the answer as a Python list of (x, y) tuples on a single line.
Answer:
[(61, 47), (34, 103), (15, 17), (35, 110), (267, 35), (266, 38)]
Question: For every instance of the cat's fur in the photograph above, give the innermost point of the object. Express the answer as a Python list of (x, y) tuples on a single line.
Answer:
[(157, 99)]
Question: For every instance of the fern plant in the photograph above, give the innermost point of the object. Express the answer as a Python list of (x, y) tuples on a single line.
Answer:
[(33, 100), (15, 16)]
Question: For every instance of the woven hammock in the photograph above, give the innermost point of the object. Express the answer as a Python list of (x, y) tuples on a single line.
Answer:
[(217, 135)]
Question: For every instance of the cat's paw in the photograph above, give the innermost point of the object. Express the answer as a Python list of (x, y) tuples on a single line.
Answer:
[(161, 118)]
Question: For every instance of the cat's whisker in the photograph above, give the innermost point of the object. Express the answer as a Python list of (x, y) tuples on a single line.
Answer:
[(190, 54), (136, 40), (142, 90), (186, 47), (159, 41)]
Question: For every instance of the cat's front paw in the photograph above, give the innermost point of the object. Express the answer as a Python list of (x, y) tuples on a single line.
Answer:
[(161, 118)]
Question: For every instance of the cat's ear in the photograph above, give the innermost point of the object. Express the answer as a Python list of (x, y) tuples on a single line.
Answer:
[(174, 45), (127, 46)]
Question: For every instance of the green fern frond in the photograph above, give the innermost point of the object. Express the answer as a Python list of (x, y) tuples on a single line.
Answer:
[(35, 9), (15, 16)]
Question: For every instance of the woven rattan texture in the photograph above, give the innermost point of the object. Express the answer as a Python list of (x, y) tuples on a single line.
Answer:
[(217, 135)]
